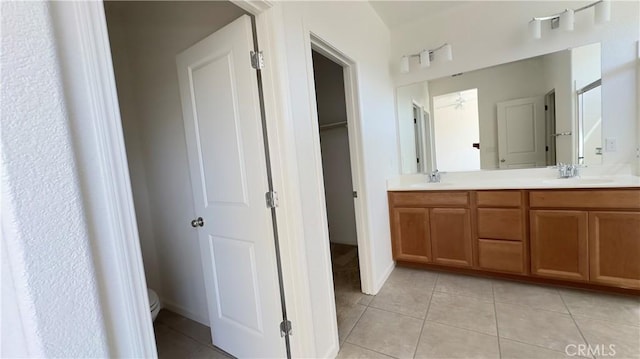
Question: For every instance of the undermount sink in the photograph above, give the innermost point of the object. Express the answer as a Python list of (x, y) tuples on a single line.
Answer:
[(584, 181), (430, 185)]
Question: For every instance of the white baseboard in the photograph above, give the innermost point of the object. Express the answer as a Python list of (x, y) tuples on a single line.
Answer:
[(384, 278), (166, 304)]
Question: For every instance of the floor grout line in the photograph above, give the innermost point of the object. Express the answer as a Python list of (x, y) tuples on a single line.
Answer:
[(426, 315), (576, 324), (594, 318), (187, 335), (354, 326), (533, 345), (402, 314), (371, 350), (459, 327), (495, 314)]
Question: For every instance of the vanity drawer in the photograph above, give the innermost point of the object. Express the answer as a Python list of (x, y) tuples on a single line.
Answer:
[(429, 199), (503, 256), (499, 199), (616, 199), (500, 223)]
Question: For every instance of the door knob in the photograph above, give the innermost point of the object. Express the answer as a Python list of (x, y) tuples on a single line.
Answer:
[(503, 160), (198, 222)]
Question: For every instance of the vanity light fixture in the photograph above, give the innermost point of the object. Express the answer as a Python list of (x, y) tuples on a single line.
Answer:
[(425, 57), (565, 20), (404, 64)]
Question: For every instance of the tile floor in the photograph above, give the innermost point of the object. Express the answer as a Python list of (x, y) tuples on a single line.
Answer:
[(424, 314), (179, 337)]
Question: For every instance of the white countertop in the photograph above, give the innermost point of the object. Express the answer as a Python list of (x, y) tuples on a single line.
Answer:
[(537, 178)]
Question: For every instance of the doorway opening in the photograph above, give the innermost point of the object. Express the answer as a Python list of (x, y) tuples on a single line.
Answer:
[(339, 187), (418, 125), (457, 131), (550, 125), (193, 124)]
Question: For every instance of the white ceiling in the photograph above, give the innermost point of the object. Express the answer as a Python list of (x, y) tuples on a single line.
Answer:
[(397, 12)]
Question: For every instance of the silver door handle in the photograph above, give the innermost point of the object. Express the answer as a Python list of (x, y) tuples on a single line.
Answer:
[(198, 222)]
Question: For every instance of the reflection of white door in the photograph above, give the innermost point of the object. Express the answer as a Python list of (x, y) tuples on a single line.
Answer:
[(220, 104), (521, 133)]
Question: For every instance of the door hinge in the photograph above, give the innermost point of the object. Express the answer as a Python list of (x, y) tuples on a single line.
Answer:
[(285, 328), (355, 194), (272, 199), (257, 60)]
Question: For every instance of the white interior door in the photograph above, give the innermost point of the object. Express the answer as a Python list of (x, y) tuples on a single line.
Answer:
[(521, 133), (220, 104)]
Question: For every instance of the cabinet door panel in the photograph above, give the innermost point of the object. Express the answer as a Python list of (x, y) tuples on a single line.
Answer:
[(451, 236), (559, 244), (614, 248), (411, 235), (500, 223), (503, 256)]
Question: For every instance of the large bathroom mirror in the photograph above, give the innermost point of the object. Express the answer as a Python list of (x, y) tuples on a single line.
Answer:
[(534, 112)]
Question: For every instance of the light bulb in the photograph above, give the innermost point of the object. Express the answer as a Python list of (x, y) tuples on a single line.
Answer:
[(567, 19), (602, 12), (447, 52), (535, 28), (425, 61), (404, 64)]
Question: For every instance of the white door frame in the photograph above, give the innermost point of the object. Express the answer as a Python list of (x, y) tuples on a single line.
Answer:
[(419, 136), (355, 150), (92, 101)]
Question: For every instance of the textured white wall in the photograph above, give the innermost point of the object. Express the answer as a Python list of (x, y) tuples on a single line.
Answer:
[(48, 248), (478, 43), (153, 33), (354, 29)]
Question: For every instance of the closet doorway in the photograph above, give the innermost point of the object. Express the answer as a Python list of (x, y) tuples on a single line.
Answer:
[(340, 193)]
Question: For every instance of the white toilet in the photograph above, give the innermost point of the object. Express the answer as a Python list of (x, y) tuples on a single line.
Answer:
[(154, 303)]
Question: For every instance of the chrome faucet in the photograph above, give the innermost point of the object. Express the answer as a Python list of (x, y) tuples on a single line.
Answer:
[(434, 177), (567, 170)]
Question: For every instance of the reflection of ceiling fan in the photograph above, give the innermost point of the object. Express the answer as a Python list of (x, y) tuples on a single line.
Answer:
[(459, 102)]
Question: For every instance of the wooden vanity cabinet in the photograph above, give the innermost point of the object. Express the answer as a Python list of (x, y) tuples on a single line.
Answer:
[(559, 247), (501, 231), (411, 239), (431, 227), (586, 235), (589, 237), (614, 248), (451, 242)]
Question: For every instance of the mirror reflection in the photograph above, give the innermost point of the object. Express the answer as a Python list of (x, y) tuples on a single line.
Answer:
[(534, 112)]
